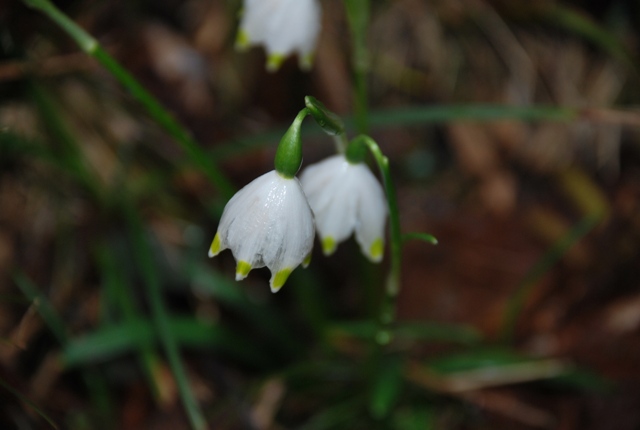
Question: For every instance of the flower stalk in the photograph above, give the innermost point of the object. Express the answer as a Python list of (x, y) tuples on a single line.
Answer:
[(387, 313)]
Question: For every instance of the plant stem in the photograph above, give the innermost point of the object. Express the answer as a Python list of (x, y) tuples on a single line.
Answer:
[(518, 299), (387, 311), (358, 16), (92, 47)]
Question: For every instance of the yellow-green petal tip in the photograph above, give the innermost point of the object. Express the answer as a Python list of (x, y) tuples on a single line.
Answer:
[(306, 261), (214, 249), (274, 61), (376, 250), (242, 270), (242, 40), (328, 245), (278, 280), (306, 62)]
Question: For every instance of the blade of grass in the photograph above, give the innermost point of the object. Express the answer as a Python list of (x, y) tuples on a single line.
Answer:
[(93, 380), (358, 12), (386, 387), (417, 115), (90, 45), (419, 330), (411, 116), (160, 317), (114, 340), (114, 284), (69, 157), (335, 416), (267, 322), (25, 400), (580, 24), (549, 259), (425, 237)]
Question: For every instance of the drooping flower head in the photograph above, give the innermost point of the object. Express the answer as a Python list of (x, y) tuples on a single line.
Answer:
[(284, 27), (345, 198), (267, 223)]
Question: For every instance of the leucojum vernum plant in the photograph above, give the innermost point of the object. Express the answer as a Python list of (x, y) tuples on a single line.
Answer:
[(272, 221)]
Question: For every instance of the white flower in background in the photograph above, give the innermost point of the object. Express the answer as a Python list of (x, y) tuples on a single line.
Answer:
[(267, 223), (284, 27), (346, 197)]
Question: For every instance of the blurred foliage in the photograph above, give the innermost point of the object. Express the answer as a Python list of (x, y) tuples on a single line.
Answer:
[(512, 131)]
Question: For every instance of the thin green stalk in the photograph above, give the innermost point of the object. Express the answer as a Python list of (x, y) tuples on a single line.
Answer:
[(27, 401), (358, 12), (392, 287), (93, 379), (161, 320), (551, 257), (114, 282), (91, 46), (72, 159)]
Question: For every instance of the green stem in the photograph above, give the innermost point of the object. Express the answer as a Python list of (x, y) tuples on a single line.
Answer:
[(91, 376), (91, 46), (358, 16), (115, 283), (518, 299), (161, 320), (387, 311)]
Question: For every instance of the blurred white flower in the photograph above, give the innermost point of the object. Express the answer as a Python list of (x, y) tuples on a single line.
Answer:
[(284, 27), (267, 223), (346, 197)]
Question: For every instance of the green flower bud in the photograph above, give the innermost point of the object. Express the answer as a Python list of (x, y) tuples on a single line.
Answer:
[(289, 153)]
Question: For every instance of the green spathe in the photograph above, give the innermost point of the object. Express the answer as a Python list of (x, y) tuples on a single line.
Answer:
[(329, 121), (289, 153)]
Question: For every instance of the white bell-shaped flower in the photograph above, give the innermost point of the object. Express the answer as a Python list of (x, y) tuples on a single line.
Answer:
[(346, 197), (284, 27), (267, 223)]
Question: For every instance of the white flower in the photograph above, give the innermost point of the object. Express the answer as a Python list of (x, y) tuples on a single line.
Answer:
[(267, 223), (284, 27), (346, 197)]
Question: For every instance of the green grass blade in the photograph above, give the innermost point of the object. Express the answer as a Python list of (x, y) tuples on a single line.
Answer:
[(543, 265), (580, 24), (266, 321), (160, 318), (420, 115), (417, 331), (114, 285), (94, 381), (114, 340), (176, 130), (44, 307), (425, 237), (25, 400), (387, 387)]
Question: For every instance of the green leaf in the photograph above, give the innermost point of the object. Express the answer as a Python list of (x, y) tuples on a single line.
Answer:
[(27, 401), (341, 413), (477, 359), (114, 340), (416, 418), (386, 387), (425, 237), (584, 380), (418, 330), (263, 318)]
